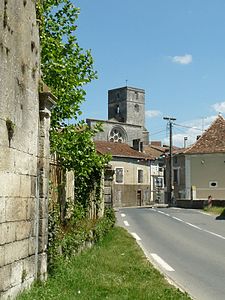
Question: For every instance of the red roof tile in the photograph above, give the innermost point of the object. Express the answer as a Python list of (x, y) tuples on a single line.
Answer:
[(212, 140), (119, 150)]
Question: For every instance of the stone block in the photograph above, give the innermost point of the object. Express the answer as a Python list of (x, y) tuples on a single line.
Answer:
[(16, 251), (31, 245), (23, 230), (2, 209), (30, 209), (107, 190), (43, 206), (25, 186), (29, 267), (42, 266), (7, 188), (2, 256), (11, 293), (16, 273), (7, 232), (42, 243), (5, 278), (16, 209), (43, 226)]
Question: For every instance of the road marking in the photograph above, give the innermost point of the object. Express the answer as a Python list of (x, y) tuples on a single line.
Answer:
[(205, 213), (137, 238), (162, 263), (126, 223), (161, 212), (123, 215), (192, 225), (177, 208), (175, 218), (215, 234)]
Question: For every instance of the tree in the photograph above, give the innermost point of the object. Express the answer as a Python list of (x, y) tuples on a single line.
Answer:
[(66, 68)]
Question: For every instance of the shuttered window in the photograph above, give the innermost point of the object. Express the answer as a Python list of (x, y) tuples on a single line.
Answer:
[(119, 175), (140, 176)]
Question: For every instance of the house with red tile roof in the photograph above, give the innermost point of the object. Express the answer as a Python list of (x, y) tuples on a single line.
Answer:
[(199, 171), (130, 185)]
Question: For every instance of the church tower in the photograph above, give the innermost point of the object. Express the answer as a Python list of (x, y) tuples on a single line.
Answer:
[(127, 105)]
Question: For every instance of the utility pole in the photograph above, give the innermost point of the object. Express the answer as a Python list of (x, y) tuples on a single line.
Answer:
[(169, 187)]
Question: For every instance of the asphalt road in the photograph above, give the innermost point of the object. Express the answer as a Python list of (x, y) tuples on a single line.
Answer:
[(187, 245)]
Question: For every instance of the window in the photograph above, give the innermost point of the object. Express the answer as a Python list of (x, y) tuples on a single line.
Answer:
[(140, 176), (213, 184), (159, 182), (119, 175), (117, 135), (176, 176)]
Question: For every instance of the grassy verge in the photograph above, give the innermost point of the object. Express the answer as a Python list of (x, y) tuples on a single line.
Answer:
[(220, 211), (115, 268)]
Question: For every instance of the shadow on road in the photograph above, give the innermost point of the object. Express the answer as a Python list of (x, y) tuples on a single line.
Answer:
[(221, 216)]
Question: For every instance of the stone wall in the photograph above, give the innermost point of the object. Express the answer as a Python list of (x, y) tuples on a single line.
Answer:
[(24, 150)]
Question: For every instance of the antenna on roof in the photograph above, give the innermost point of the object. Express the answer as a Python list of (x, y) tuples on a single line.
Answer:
[(126, 82)]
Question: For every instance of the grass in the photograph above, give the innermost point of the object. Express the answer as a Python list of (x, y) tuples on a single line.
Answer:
[(220, 211), (114, 269)]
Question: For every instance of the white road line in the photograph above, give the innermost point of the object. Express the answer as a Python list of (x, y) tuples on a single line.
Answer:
[(123, 215), (215, 234), (126, 223), (192, 225), (137, 238), (161, 212), (162, 263), (175, 218), (177, 208), (205, 213)]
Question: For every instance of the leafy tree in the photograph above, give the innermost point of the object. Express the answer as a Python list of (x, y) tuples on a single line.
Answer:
[(66, 68)]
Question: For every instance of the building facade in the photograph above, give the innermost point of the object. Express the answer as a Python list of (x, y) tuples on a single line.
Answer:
[(126, 118)]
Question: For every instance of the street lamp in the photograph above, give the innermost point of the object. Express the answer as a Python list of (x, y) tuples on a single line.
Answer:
[(170, 122)]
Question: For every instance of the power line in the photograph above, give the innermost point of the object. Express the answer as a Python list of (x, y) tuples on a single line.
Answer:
[(187, 126)]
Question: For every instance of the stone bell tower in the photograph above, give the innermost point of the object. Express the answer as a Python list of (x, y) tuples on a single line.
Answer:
[(127, 105)]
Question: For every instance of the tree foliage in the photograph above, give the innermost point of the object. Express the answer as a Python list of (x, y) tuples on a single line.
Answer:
[(66, 68)]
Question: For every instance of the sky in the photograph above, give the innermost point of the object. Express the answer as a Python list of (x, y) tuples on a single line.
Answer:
[(173, 49)]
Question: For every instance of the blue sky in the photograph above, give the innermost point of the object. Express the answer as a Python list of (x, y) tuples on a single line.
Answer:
[(173, 49)]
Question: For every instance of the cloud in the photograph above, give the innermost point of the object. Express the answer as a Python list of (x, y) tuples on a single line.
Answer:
[(152, 113), (183, 60), (219, 107)]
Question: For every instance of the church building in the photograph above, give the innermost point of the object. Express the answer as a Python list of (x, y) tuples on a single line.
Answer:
[(126, 118)]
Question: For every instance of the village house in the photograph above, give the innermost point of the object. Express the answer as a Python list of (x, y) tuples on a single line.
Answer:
[(130, 185), (198, 171)]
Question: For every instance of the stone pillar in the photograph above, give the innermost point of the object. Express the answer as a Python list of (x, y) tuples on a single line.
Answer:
[(108, 178), (46, 101)]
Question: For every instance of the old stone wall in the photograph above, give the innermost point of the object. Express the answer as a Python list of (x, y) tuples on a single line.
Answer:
[(23, 151)]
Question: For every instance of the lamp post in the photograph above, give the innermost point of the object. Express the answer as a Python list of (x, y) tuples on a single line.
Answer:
[(169, 187)]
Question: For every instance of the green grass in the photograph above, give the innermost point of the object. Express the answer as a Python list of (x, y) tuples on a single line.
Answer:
[(115, 268), (220, 211)]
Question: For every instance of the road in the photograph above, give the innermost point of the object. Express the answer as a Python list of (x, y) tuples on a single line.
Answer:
[(187, 245)]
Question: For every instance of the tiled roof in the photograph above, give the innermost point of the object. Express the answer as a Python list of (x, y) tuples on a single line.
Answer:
[(154, 151), (119, 150), (212, 140)]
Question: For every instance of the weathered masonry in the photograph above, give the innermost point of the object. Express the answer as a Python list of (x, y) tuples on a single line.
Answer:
[(24, 150)]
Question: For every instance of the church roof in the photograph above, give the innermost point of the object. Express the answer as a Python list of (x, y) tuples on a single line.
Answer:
[(212, 140), (119, 150)]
